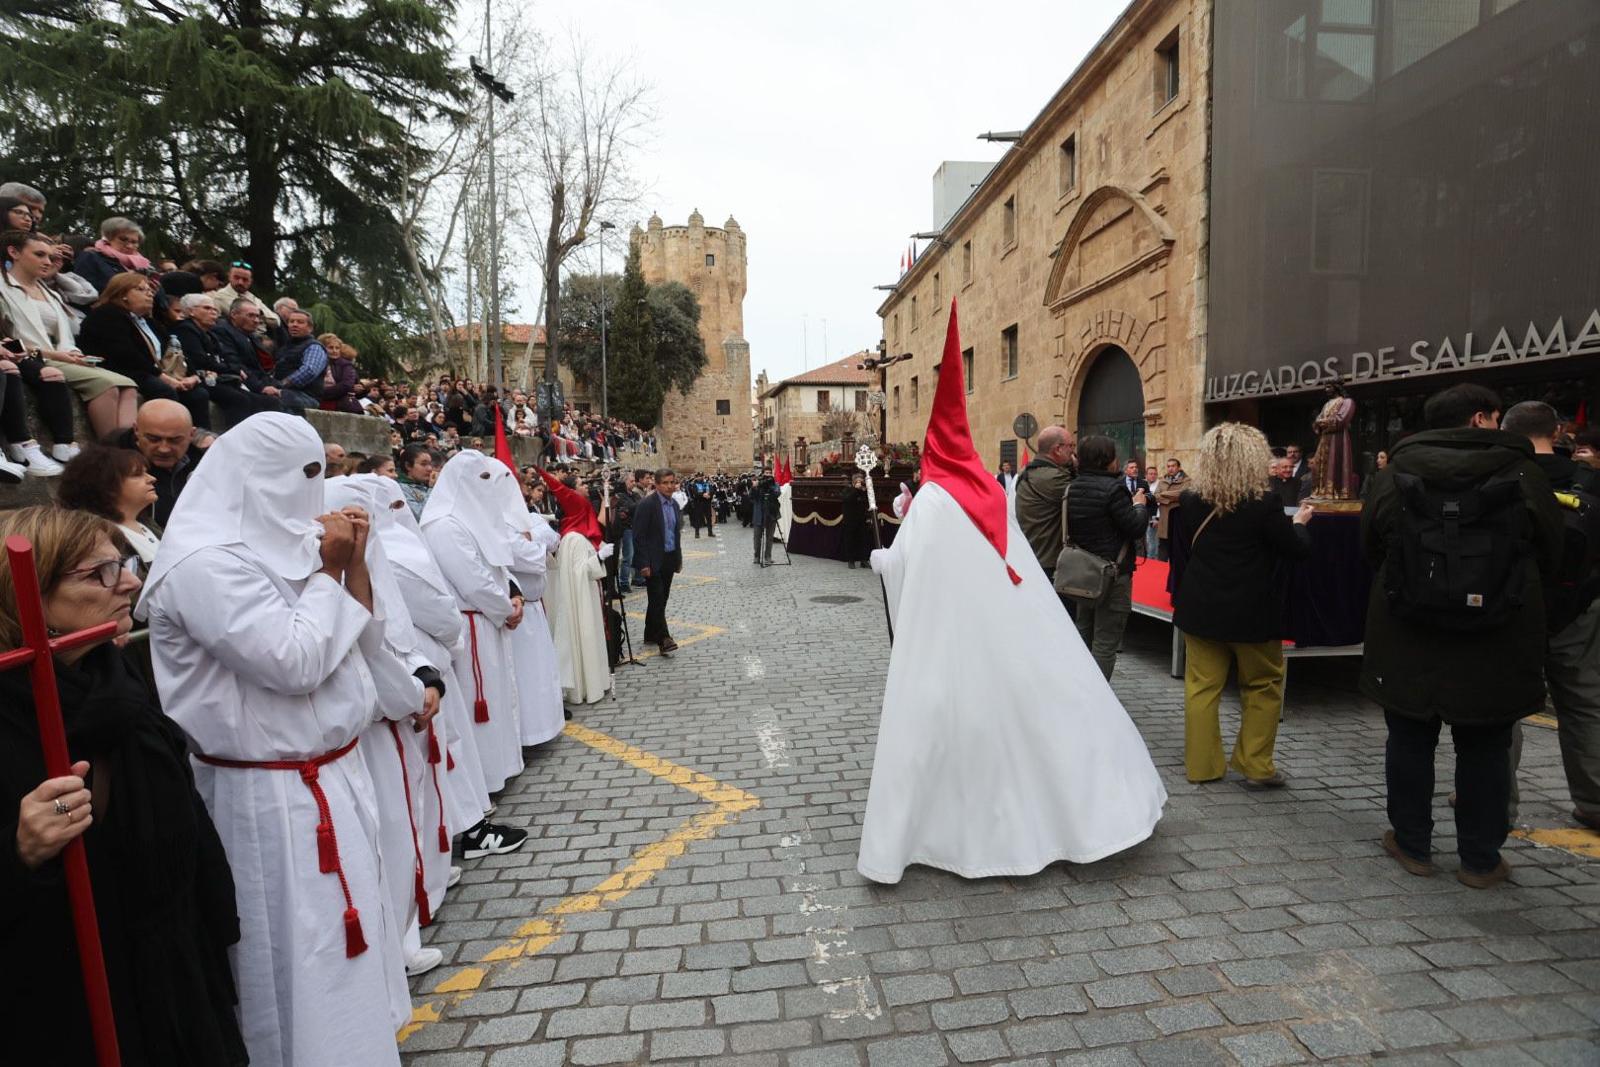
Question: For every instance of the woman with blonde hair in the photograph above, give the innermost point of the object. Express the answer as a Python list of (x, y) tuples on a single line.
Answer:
[(1233, 542)]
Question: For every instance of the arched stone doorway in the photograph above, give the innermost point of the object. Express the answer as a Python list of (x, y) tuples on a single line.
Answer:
[(1112, 402)]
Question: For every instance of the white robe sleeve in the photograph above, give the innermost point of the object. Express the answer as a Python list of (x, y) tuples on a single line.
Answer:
[(433, 612), (478, 586), (232, 609), (528, 556), (399, 692)]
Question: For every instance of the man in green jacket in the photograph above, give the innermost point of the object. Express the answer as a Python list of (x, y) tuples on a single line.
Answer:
[(1431, 666), (1040, 488)]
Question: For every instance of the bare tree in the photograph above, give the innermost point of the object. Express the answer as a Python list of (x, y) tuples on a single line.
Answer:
[(587, 115)]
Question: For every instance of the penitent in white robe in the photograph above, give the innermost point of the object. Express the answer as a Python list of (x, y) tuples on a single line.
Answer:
[(1001, 748), (483, 593), (256, 667), (785, 511), (533, 649), (576, 624), (455, 784)]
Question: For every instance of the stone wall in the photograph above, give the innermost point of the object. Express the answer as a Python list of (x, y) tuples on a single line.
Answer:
[(1116, 256), (694, 433)]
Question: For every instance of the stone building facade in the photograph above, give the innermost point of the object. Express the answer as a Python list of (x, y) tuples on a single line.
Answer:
[(799, 406), (1079, 264), (709, 429)]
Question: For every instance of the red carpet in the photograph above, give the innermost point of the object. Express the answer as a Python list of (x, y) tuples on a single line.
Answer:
[(1150, 586)]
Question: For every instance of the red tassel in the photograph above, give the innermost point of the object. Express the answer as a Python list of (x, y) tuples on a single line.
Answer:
[(480, 709), (444, 839), (424, 916), (1016, 579), (327, 849), (433, 747), (450, 761), (354, 943)]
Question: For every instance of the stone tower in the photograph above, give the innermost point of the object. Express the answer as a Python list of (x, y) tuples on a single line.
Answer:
[(709, 429)]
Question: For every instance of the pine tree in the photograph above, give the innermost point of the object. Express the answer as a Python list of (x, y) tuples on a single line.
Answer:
[(276, 131), (635, 392)]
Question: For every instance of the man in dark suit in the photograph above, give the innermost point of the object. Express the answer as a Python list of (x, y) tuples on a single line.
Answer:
[(1281, 481), (657, 556), (1136, 485)]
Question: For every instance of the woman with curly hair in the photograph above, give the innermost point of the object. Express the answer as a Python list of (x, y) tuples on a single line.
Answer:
[(1233, 542)]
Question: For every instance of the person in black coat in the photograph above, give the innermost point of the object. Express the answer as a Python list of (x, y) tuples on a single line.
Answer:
[(233, 388), (658, 555), (1232, 543), (1103, 518), (163, 891), (118, 330), (856, 532)]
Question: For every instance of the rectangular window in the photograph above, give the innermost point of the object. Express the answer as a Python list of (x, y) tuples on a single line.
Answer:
[(724, 407), (824, 401), (1008, 352), (861, 400), (1067, 177), (913, 313), (1168, 71), (937, 303), (966, 368), (1008, 223), (1008, 451), (897, 333), (711, 259), (913, 394), (897, 400), (966, 262)]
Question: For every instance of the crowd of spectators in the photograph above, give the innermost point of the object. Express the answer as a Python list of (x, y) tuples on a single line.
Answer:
[(95, 317)]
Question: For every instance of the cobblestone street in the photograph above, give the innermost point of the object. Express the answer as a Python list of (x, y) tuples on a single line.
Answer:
[(688, 891)]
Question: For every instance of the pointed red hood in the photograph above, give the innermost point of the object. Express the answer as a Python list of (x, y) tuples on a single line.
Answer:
[(502, 447), (780, 471), (577, 514), (949, 458)]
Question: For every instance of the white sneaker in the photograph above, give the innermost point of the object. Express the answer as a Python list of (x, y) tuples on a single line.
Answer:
[(30, 454), (422, 961), (64, 453), (455, 876), (11, 473)]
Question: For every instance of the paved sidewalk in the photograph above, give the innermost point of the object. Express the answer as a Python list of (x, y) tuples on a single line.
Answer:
[(659, 916)]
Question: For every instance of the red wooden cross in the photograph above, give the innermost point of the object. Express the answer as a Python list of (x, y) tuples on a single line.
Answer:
[(37, 654)]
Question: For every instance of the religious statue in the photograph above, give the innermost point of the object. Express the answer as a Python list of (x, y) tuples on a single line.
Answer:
[(1333, 465)]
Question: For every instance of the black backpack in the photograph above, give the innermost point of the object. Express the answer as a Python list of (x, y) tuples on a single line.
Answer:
[(1573, 587), (1458, 558)]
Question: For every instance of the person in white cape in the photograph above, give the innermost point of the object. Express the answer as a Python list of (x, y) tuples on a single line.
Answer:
[(463, 527), (1001, 748), (576, 622), (395, 745), (533, 649), (268, 654)]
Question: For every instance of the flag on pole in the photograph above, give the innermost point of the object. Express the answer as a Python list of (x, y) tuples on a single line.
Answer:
[(1025, 458)]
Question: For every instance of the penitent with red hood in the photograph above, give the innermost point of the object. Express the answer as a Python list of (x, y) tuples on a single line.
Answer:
[(1001, 747), (573, 597)]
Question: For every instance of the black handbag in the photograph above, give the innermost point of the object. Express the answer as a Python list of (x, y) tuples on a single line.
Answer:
[(1080, 574)]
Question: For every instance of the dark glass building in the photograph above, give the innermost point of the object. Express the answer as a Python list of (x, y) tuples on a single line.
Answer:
[(1405, 194)]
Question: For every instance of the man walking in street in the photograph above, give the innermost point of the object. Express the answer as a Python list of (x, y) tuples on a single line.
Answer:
[(1572, 657), (657, 556), (1457, 636)]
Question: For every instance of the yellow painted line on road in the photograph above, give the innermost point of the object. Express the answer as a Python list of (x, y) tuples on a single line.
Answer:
[(698, 554), (1579, 842), (540, 932), (1547, 722), (703, 632)]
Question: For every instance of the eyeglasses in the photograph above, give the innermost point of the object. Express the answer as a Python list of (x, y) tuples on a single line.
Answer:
[(241, 263), (110, 571)]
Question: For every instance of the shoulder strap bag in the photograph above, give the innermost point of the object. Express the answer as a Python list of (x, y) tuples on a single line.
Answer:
[(1080, 574)]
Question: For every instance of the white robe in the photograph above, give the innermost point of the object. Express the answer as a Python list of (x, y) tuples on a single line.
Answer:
[(1001, 748), (459, 786), (483, 593), (785, 511), (532, 648), (576, 624), (256, 667)]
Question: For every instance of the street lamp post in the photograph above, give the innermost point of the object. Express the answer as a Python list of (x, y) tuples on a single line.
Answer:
[(605, 385)]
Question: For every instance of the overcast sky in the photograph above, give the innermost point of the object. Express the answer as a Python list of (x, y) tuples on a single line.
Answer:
[(819, 126)]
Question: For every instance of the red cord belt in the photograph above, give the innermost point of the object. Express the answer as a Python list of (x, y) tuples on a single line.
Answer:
[(480, 706), (327, 843)]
